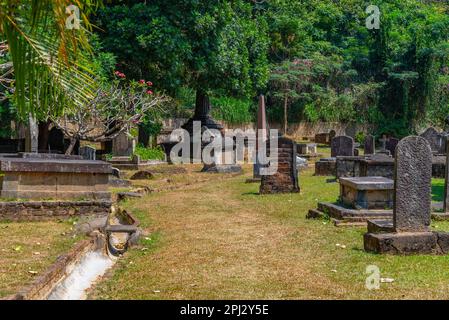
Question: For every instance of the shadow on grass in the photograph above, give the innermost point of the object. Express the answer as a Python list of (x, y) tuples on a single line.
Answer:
[(250, 194), (437, 192)]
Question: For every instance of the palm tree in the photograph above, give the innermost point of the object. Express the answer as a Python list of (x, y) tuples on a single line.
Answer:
[(49, 61)]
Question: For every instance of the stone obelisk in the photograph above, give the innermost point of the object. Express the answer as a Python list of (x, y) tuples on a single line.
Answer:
[(261, 129)]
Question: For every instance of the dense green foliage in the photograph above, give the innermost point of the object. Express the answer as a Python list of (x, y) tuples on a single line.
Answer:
[(396, 77)]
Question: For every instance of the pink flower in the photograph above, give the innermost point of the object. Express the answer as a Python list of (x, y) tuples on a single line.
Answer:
[(119, 74), (149, 92), (142, 81), (149, 83)]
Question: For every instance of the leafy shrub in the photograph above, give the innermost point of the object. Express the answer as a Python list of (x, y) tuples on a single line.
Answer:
[(360, 137), (150, 153)]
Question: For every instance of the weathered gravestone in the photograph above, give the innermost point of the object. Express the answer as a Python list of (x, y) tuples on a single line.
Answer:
[(446, 180), (285, 180), (342, 146), (123, 145), (369, 146), (434, 138), (391, 146), (88, 153), (261, 133), (412, 206)]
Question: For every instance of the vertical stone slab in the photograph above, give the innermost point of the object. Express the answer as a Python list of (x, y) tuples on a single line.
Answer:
[(88, 153), (391, 145), (32, 135), (434, 138), (342, 146), (446, 178), (413, 174), (123, 145), (369, 145), (261, 125)]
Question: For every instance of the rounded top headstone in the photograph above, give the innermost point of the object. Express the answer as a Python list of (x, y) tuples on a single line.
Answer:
[(413, 175)]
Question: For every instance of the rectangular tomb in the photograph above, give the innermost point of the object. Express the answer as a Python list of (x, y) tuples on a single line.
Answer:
[(367, 192), (54, 177)]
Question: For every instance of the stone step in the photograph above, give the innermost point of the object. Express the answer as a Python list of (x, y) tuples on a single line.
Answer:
[(339, 212), (344, 223), (315, 214)]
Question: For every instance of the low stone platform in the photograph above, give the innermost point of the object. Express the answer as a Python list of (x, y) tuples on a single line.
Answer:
[(51, 176), (342, 216), (379, 165), (326, 167), (367, 192), (380, 226), (134, 163), (407, 243), (230, 168)]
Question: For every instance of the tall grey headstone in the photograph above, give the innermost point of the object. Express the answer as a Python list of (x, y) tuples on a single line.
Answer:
[(88, 153), (369, 145), (413, 174), (32, 135), (342, 146)]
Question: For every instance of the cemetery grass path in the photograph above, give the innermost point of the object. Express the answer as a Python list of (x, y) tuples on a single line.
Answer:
[(220, 240)]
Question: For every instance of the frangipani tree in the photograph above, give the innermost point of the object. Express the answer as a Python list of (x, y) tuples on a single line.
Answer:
[(114, 109)]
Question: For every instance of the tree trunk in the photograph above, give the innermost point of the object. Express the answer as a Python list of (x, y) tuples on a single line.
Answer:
[(285, 114), (143, 137), (44, 134), (71, 146)]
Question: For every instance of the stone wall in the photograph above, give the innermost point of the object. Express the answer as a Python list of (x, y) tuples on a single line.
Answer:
[(296, 130), (50, 210)]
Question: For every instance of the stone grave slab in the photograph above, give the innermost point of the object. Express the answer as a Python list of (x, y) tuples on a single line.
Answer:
[(53, 177), (367, 192), (326, 167)]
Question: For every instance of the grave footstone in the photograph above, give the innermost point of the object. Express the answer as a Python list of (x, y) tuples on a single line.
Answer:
[(369, 145), (342, 146)]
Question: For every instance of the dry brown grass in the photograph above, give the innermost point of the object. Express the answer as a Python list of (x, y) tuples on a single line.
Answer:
[(219, 240), (27, 249)]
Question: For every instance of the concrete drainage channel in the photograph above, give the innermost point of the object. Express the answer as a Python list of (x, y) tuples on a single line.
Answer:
[(74, 273)]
